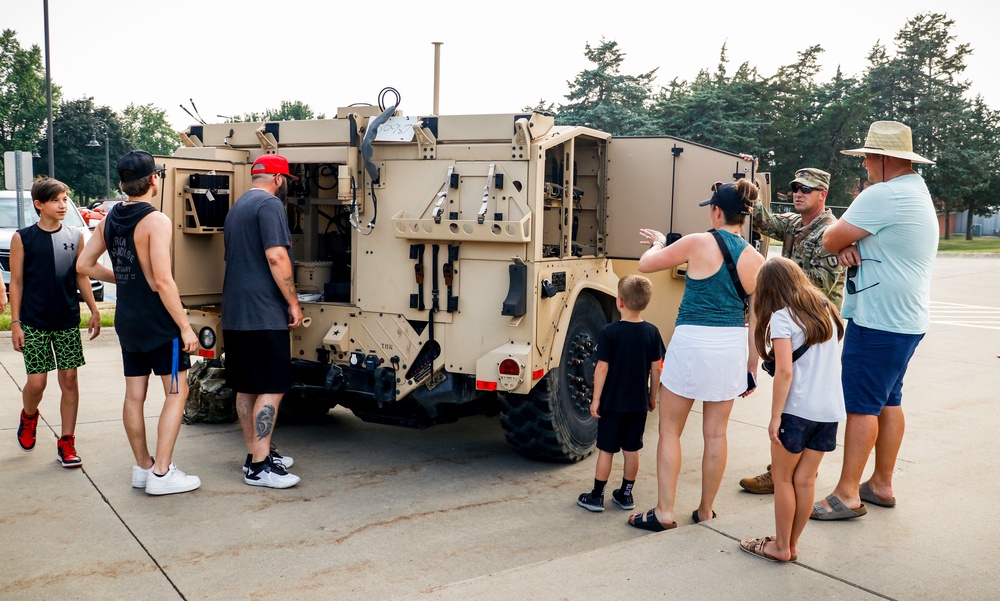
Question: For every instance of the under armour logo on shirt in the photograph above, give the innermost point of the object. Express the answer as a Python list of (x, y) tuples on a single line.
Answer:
[(69, 246)]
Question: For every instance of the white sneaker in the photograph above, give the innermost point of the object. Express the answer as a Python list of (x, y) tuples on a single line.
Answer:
[(174, 481), (271, 475), (140, 476)]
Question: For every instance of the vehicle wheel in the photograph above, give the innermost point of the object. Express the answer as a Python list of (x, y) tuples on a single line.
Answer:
[(99, 296), (553, 421), (303, 407)]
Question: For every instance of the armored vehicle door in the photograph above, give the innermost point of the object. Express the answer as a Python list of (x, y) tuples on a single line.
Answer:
[(657, 183), (199, 186)]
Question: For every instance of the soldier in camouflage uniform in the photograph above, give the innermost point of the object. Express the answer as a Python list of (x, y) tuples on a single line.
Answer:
[(801, 234)]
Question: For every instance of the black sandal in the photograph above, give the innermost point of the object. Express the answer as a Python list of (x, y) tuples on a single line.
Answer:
[(649, 522)]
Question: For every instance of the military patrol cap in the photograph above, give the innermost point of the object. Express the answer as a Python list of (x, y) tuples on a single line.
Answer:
[(814, 178)]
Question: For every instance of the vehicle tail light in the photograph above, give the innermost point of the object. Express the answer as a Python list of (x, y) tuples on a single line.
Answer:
[(509, 367)]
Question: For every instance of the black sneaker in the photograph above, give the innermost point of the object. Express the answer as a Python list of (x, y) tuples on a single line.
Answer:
[(589, 501), (276, 457), (623, 499), (271, 475)]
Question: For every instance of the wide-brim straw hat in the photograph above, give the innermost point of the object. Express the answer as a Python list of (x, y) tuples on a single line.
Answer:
[(889, 138)]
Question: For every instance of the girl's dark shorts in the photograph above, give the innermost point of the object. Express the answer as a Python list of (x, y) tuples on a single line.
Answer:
[(620, 431), (258, 361), (797, 434), (160, 361)]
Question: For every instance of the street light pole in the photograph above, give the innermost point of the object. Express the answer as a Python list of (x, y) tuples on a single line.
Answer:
[(107, 155), (48, 96)]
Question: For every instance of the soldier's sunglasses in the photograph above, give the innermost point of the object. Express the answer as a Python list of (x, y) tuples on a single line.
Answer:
[(804, 189), (852, 272)]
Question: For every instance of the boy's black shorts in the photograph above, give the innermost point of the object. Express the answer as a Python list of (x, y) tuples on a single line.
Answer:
[(620, 431), (160, 361)]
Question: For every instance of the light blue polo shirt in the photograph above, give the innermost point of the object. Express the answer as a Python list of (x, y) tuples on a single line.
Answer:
[(901, 219)]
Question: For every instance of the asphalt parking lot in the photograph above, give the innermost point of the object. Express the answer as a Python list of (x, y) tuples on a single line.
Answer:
[(453, 513)]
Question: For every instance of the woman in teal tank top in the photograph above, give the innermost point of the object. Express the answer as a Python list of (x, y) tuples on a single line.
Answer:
[(709, 355)]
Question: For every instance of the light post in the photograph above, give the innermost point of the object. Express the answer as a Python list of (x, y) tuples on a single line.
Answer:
[(107, 155)]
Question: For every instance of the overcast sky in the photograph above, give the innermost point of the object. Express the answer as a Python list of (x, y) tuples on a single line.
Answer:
[(249, 55)]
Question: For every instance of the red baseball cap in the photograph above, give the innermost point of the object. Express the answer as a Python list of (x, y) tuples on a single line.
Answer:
[(271, 164)]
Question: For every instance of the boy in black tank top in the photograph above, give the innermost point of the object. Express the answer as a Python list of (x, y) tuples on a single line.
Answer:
[(45, 314)]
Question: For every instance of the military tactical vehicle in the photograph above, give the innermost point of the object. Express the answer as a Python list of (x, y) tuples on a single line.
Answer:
[(447, 265)]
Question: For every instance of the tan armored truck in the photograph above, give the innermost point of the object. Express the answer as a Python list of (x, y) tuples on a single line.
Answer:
[(447, 265)]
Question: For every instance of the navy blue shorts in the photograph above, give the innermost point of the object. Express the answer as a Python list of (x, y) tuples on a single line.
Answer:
[(620, 431), (872, 367), (160, 361), (797, 434)]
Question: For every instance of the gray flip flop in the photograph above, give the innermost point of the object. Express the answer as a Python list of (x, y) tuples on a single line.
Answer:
[(868, 496), (840, 511)]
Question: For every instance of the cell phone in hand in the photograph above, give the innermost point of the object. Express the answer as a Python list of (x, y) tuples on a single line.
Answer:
[(751, 383)]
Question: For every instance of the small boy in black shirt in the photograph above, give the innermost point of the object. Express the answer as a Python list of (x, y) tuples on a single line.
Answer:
[(628, 360)]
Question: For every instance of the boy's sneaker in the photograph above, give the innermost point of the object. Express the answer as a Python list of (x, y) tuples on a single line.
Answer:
[(26, 431), (589, 501), (623, 499), (174, 481), (759, 485), (272, 475), (141, 475), (66, 452), (285, 461)]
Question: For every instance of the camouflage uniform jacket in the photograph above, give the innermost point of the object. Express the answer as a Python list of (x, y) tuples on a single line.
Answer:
[(804, 245)]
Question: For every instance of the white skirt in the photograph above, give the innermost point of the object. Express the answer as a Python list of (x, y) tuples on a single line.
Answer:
[(706, 363)]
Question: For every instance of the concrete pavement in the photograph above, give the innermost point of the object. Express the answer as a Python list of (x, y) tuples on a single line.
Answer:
[(452, 513)]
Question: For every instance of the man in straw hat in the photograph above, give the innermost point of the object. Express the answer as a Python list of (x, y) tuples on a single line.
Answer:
[(887, 239)]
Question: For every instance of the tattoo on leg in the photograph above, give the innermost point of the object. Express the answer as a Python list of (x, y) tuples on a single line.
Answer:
[(265, 422)]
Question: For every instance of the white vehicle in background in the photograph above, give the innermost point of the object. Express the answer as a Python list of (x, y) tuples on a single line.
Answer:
[(8, 225)]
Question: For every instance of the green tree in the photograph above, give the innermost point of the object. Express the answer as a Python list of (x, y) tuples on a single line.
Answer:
[(23, 105), (716, 110), (971, 165), (81, 166), (288, 111), (606, 99), (146, 128), (922, 87)]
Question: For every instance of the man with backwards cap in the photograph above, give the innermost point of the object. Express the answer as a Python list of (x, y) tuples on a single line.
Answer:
[(801, 234), (887, 239), (260, 307), (152, 326)]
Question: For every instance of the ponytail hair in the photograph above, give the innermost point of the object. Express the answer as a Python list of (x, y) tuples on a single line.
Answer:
[(748, 192)]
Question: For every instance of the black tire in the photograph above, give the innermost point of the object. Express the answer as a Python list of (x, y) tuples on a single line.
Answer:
[(553, 421)]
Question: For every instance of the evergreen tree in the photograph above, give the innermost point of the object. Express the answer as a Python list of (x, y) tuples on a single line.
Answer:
[(606, 99)]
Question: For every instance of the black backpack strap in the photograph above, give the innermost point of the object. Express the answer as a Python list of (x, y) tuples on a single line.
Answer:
[(799, 352), (731, 266)]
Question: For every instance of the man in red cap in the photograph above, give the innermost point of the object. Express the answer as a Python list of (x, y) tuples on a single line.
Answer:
[(259, 308)]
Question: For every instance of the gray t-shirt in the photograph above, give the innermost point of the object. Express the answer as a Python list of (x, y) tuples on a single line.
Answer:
[(251, 300)]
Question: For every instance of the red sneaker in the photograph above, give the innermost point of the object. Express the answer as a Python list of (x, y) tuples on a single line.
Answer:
[(26, 431), (67, 452)]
